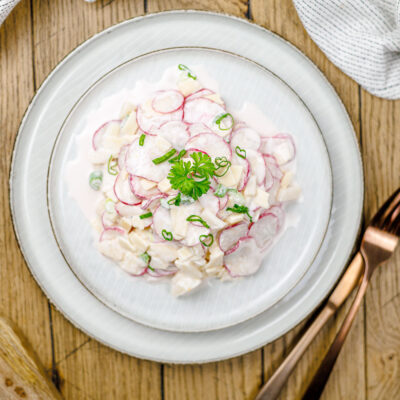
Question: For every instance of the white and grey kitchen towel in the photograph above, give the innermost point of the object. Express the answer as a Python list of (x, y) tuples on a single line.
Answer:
[(362, 37)]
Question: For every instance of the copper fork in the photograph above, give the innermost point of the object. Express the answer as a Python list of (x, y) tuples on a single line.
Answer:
[(379, 242)]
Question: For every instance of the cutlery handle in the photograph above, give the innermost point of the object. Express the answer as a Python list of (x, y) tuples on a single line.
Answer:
[(321, 377), (347, 283)]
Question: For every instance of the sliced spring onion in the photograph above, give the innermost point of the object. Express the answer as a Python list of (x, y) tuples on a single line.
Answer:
[(178, 157), (165, 157), (220, 191), (147, 215), (109, 206), (95, 180), (164, 203), (167, 235), (141, 139), (145, 257), (240, 152), (222, 120), (196, 218), (112, 165), (150, 268), (190, 74), (240, 210), (222, 163), (206, 240), (175, 200)]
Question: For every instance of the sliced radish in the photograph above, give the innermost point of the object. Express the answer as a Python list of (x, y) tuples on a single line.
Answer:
[(167, 101), (98, 136), (199, 93), (231, 235), (124, 210), (257, 165), (209, 201), (246, 138), (223, 202), (210, 143), (149, 123), (245, 259), (147, 203), (158, 273), (161, 221), (193, 234), (244, 162), (111, 232), (122, 157), (139, 191), (123, 192), (281, 146), (139, 160), (273, 167), (197, 128), (265, 229), (176, 132), (107, 220)]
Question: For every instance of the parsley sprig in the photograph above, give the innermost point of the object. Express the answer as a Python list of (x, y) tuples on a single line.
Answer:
[(193, 177)]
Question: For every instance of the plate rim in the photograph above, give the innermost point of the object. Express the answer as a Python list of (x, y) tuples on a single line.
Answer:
[(301, 316)]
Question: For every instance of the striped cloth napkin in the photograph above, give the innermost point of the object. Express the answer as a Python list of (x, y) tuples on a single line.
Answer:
[(362, 37)]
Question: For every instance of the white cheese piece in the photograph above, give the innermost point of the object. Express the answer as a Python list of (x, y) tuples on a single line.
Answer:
[(130, 125), (138, 223), (289, 194), (133, 263), (282, 153), (251, 187), (216, 258), (126, 108), (165, 185), (232, 177), (287, 179), (148, 109), (182, 283), (184, 253), (215, 98), (138, 242), (179, 223), (126, 223), (162, 144), (262, 198), (234, 218), (111, 248), (188, 86), (164, 251), (212, 220), (189, 267), (126, 244), (112, 129), (157, 262), (146, 184)]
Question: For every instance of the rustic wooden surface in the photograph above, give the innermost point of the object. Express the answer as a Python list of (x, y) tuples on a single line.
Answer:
[(35, 37)]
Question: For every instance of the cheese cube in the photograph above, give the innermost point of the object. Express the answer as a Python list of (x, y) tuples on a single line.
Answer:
[(162, 144), (188, 86), (215, 98), (164, 185), (126, 108), (287, 179), (282, 153), (111, 249), (184, 253), (289, 194), (251, 187), (212, 220), (189, 268), (133, 263), (232, 177), (262, 198), (165, 251), (126, 223), (138, 242), (179, 223), (126, 244), (182, 283), (130, 125), (138, 223), (112, 129), (146, 184), (234, 219), (216, 257)]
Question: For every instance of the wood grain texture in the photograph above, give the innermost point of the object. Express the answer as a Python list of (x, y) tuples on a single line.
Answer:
[(381, 152), (22, 375), (21, 300)]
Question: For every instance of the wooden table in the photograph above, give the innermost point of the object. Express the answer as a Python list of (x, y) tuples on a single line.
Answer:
[(35, 37)]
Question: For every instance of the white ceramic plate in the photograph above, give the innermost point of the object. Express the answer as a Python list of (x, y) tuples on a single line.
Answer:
[(216, 304), (43, 121)]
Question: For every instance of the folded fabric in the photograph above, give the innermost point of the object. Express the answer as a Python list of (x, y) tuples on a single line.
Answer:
[(5, 8), (362, 37)]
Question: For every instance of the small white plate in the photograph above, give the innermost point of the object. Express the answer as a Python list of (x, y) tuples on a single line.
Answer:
[(216, 304), (50, 107)]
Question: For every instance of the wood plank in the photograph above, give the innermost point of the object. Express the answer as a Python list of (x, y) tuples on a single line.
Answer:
[(346, 382), (381, 152), (20, 297), (88, 370)]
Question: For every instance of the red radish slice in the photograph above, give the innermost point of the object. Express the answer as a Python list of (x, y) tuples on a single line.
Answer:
[(139, 160), (147, 203), (151, 123), (123, 192), (279, 144), (210, 143), (265, 229), (245, 260), (245, 138), (209, 201), (257, 165), (97, 139), (107, 220), (140, 273), (122, 157), (167, 101), (158, 273), (127, 211), (273, 167), (161, 221), (199, 93), (231, 235), (244, 162), (139, 191), (223, 202), (111, 233), (193, 234), (176, 132), (198, 127)]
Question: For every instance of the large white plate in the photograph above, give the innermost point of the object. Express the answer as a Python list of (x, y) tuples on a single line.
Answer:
[(216, 304), (43, 121)]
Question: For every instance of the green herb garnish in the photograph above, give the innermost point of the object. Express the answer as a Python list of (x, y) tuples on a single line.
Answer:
[(240, 152), (220, 191), (147, 215), (192, 178), (145, 257), (141, 139), (196, 218), (190, 74), (178, 157), (221, 120), (206, 240), (222, 163), (112, 165), (95, 180), (165, 157), (240, 210), (167, 235), (175, 200)]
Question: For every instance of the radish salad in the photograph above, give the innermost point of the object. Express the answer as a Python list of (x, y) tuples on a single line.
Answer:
[(187, 190)]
